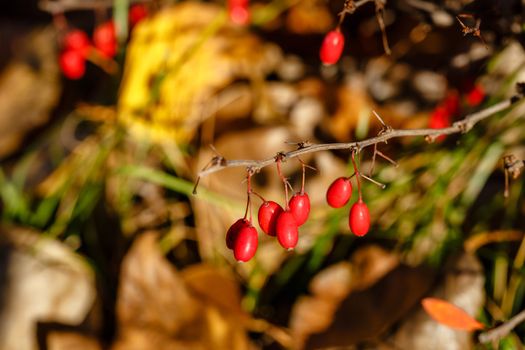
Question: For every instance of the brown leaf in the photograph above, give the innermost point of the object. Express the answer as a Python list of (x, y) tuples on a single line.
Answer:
[(450, 315), (370, 264), (27, 95), (42, 281), (159, 307), (365, 315), (216, 287), (152, 292), (67, 341), (462, 285)]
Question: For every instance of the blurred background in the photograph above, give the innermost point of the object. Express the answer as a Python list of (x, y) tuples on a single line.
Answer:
[(110, 108)]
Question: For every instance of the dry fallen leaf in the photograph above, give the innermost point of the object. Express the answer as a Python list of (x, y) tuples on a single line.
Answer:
[(462, 285), (43, 282), (450, 315), (29, 89), (159, 307)]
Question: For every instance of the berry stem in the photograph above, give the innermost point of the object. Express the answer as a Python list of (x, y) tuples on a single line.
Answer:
[(303, 180), (258, 195), (249, 191), (283, 179), (357, 176)]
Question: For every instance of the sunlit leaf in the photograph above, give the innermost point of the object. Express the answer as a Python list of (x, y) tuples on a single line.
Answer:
[(450, 315)]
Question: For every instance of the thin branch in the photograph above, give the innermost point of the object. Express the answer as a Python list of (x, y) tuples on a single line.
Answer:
[(461, 126), (59, 6), (495, 334)]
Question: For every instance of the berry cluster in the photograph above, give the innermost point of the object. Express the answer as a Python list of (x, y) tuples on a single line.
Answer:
[(339, 194), (284, 223), (76, 45), (450, 107)]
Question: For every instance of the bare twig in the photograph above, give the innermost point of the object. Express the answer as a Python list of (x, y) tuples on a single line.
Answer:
[(495, 334), (59, 6), (461, 126), (380, 12), (350, 7)]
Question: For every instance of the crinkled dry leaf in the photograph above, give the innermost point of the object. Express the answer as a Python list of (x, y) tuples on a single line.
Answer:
[(29, 89), (315, 314), (365, 315), (68, 341), (160, 308), (216, 287), (44, 282), (370, 264), (450, 315), (170, 77), (462, 286)]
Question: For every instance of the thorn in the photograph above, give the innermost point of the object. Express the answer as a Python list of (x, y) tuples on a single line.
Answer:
[(194, 192), (382, 186), (390, 160), (379, 118)]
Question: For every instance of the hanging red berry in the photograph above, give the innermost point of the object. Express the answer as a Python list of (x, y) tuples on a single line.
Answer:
[(73, 64), (440, 118), (268, 213), (359, 219), (233, 231), (245, 244), (239, 11), (287, 230), (451, 103), (475, 96), (339, 192), (105, 39), (300, 207), (76, 40), (137, 13), (332, 47)]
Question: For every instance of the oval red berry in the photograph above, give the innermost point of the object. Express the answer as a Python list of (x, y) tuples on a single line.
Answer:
[(300, 207), (245, 244), (239, 11), (359, 219), (73, 64), (233, 231), (339, 192), (332, 47), (287, 230), (77, 40), (268, 213), (137, 13), (105, 40)]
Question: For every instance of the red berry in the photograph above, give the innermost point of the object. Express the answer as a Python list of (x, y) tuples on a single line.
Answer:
[(475, 96), (287, 230), (332, 47), (359, 219), (105, 39), (440, 118), (300, 207), (137, 13), (339, 192), (76, 40), (245, 244), (268, 214), (239, 12), (73, 64), (233, 231), (451, 103)]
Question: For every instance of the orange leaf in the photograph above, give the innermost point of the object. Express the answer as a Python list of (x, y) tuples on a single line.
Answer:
[(450, 315)]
